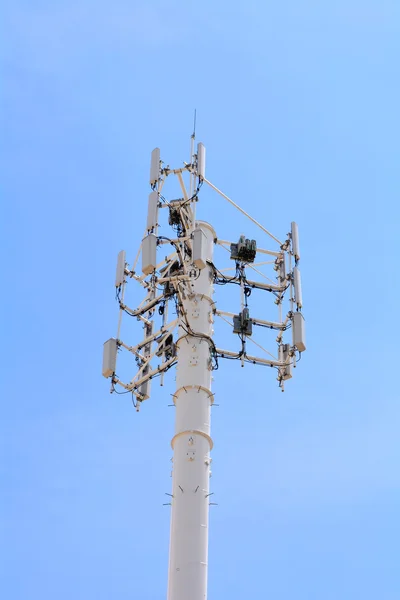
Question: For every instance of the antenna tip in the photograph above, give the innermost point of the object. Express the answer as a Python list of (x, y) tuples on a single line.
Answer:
[(194, 125)]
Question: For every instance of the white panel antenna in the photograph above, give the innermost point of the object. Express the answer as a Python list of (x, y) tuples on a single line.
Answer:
[(299, 333), (295, 241), (284, 352), (149, 254), (282, 271), (199, 248), (152, 211), (109, 357), (201, 161), (120, 274), (155, 166), (297, 287)]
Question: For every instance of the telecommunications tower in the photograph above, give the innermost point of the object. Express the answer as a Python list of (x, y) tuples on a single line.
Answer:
[(184, 281)]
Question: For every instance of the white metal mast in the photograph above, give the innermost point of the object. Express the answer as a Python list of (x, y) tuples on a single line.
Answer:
[(186, 277), (188, 560)]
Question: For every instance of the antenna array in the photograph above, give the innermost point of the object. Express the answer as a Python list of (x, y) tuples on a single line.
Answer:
[(185, 279)]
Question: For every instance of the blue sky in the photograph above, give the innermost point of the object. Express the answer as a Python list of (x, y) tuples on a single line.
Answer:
[(298, 107)]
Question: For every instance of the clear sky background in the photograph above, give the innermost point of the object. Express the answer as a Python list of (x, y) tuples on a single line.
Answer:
[(298, 105)]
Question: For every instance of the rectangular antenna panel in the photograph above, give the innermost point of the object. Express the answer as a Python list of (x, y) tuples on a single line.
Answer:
[(199, 248), (282, 271), (144, 388), (295, 241), (149, 254), (120, 274), (201, 161), (155, 166), (152, 211), (283, 356), (297, 287), (299, 334), (109, 357)]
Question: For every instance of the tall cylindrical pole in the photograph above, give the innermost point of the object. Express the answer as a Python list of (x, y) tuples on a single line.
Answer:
[(188, 560)]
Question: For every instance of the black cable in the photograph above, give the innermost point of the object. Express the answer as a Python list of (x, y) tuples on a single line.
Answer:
[(150, 310), (114, 389), (194, 196), (272, 327), (195, 334), (162, 371), (150, 316), (189, 331), (162, 237), (214, 356), (254, 362), (221, 355), (222, 279)]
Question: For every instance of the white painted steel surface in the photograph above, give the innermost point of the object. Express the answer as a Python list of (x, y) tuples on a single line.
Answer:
[(188, 560)]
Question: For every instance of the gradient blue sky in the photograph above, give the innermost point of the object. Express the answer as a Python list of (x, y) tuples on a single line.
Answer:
[(298, 105)]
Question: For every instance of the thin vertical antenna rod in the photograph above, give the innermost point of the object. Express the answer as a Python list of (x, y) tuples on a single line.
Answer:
[(192, 140)]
